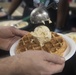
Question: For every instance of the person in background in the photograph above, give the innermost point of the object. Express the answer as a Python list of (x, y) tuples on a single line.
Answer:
[(65, 21), (29, 62), (62, 16), (58, 16), (72, 23), (29, 6)]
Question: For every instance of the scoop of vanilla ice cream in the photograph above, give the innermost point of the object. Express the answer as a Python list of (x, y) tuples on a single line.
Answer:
[(42, 33)]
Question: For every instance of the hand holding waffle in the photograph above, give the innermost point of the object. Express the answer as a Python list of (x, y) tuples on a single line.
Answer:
[(40, 63)]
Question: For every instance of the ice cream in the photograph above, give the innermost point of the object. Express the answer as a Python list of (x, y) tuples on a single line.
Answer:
[(42, 33)]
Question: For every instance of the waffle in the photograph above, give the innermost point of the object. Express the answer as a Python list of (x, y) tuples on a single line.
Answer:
[(56, 45)]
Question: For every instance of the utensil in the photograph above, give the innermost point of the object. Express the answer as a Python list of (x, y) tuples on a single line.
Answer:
[(40, 14), (28, 17)]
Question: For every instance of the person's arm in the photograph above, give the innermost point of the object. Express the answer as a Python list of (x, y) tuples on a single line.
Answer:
[(63, 10), (10, 66), (14, 4), (32, 63)]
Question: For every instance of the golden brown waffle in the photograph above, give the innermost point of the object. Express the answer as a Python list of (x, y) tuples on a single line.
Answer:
[(56, 45)]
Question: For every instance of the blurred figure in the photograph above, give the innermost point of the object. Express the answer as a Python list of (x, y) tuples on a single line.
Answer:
[(58, 15), (62, 15), (29, 6)]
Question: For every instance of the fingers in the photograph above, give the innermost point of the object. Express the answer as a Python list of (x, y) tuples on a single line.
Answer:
[(50, 68), (12, 41), (54, 58), (19, 32), (44, 67), (54, 68)]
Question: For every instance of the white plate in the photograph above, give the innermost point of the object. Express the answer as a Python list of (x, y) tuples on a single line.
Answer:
[(72, 35), (69, 52), (13, 22)]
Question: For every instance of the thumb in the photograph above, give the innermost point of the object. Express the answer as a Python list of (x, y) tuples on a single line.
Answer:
[(19, 32)]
